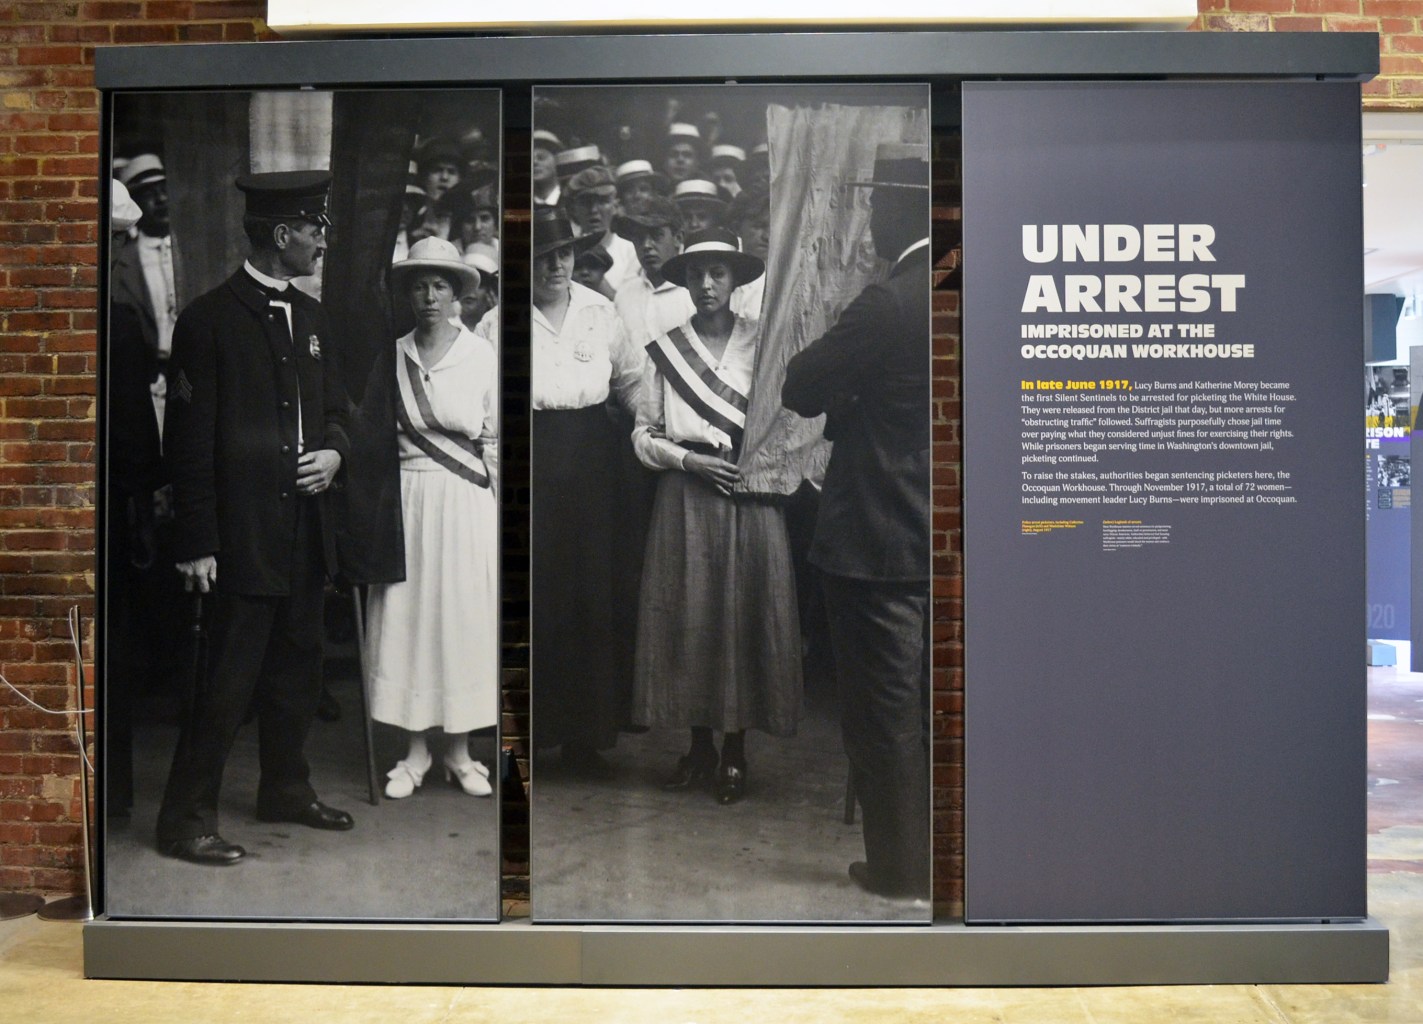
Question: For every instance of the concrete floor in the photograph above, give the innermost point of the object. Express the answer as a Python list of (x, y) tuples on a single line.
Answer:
[(626, 851), (432, 855), (41, 983)]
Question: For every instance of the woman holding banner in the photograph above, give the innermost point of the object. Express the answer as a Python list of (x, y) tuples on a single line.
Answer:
[(718, 642)]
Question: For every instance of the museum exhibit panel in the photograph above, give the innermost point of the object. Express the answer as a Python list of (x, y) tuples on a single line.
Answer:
[(301, 415), (1161, 518), (1143, 687)]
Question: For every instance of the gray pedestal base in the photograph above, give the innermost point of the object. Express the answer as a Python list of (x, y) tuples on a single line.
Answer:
[(519, 953)]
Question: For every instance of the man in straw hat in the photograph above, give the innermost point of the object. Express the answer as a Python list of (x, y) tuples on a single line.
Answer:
[(682, 151), (543, 171), (256, 434), (869, 375), (142, 276)]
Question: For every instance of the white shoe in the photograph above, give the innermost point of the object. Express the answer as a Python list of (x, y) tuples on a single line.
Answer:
[(405, 777), (472, 777)]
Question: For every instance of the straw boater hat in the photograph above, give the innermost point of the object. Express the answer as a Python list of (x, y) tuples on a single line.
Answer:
[(545, 139), (899, 165), (553, 230), (681, 131), (699, 190), (436, 254), (140, 172), (713, 243), (123, 211), (570, 161), (726, 154), (640, 170)]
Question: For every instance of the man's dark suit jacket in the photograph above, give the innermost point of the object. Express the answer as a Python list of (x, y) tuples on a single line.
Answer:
[(128, 288), (870, 375), (235, 382)]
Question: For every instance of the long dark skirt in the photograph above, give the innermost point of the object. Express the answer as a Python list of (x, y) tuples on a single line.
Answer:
[(718, 639), (577, 687)]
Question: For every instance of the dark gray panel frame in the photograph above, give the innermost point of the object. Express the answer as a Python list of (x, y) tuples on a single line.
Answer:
[(524, 954), (517, 60), (518, 953)]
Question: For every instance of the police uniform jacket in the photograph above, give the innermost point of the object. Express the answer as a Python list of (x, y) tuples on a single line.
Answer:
[(870, 375), (236, 381)]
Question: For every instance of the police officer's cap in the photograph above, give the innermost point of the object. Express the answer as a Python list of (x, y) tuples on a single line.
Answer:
[(287, 195)]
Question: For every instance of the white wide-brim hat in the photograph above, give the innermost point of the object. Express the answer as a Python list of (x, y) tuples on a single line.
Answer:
[(435, 254)]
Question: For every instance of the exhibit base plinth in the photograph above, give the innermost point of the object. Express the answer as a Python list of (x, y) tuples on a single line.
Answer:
[(519, 953)]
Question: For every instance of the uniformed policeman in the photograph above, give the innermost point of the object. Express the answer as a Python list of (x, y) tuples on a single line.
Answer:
[(256, 433)]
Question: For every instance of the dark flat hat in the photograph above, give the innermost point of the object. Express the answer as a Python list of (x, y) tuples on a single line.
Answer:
[(899, 165), (652, 212), (553, 230), (294, 195), (439, 150), (749, 202), (713, 243), (594, 257)]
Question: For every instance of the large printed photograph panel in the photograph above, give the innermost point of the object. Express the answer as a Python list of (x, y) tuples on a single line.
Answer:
[(730, 504), (301, 519)]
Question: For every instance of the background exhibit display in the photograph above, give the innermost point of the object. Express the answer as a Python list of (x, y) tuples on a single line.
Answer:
[(1161, 517), (285, 241)]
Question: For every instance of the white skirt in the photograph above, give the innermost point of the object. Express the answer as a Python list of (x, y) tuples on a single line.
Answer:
[(432, 642)]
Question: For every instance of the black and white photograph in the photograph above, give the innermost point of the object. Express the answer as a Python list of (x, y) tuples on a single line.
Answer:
[(730, 504), (300, 436)]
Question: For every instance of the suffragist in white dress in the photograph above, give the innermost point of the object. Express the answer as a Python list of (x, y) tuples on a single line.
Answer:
[(433, 639), (718, 636)]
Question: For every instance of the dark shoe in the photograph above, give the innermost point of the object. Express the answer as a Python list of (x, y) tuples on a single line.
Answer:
[(313, 815), (327, 708), (860, 875), (730, 783), (690, 773), (209, 849), (586, 763)]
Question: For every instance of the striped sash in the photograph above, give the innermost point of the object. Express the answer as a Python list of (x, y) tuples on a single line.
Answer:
[(714, 399), (459, 453)]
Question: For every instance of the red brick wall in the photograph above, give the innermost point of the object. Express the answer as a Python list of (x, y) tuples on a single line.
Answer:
[(1399, 23), (48, 183)]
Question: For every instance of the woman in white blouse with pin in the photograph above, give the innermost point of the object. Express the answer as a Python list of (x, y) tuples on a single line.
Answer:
[(718, 639), (581, 360)]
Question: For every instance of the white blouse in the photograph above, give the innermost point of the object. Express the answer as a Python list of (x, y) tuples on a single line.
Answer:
[(664, 417), (464, 394), (574, 366)]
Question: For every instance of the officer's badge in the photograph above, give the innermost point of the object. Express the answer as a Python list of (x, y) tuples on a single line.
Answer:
[(313, 345)]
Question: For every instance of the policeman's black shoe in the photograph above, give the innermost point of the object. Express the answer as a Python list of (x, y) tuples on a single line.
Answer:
[(692, 772), (208, 849), (313, 815), (730, 782)]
